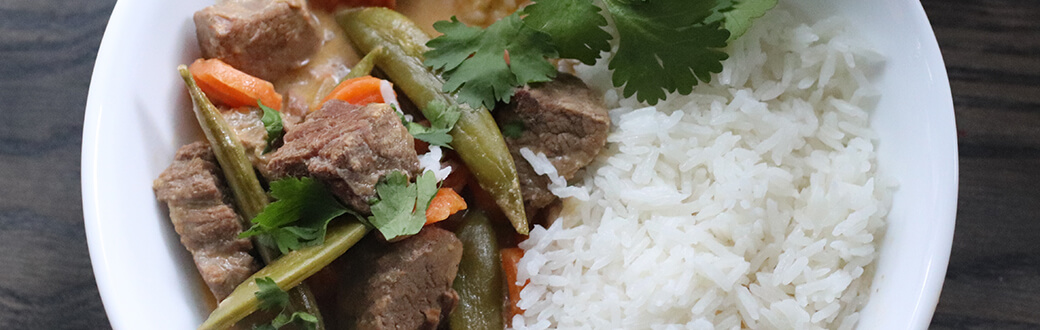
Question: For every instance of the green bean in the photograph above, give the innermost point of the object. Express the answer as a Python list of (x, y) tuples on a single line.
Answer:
[(476, 136), (245, 187), (479, 280), (230, 153), (365, 65), (288, 272)]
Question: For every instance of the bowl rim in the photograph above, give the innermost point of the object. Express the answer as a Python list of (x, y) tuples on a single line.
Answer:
[(103, 65)]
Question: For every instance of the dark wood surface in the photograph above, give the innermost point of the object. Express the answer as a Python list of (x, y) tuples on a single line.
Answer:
[(992, 52)]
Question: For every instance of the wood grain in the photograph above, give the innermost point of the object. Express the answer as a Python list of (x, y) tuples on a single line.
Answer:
[(991, 48), (992, 54), (47, 51)]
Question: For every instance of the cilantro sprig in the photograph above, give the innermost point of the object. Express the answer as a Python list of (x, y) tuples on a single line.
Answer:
[(301, 215), (272, 297), (473, 60), (272, 120), (576, 27), (442, 119), (303, 320), (513, 129), (664, 46), (738, 20), (401, 208)]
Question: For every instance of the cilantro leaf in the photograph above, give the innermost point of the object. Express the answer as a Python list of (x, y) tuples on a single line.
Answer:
[(473, 60), (291, 238), (401, 209), (665, 46), (718, 13), (574, 25), (299, 217), (270, 295), (513, 129), (302, 319), (738, 20), (442, 119), (272, 120)]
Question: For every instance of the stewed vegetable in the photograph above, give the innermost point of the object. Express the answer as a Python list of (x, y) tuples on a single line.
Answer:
[(287, 271), (477, 139), (479, 282), (248, 195), (344, 155)]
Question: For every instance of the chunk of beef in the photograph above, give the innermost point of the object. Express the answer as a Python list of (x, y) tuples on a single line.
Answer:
[(563, 119), (250, 131), (264, 38), (295, 110), (402, 285), (348, 147), (194, 190)]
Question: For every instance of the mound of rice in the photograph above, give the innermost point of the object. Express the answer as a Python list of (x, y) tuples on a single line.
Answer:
[(753, 203)]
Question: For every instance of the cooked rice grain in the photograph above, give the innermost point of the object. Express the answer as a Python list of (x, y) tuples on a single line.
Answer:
[(753, 202)]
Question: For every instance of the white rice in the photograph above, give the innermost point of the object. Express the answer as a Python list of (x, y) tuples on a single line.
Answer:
[(752, 203), (431, 161)]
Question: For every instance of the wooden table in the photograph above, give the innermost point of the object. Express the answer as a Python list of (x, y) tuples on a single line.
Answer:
[(992, 52)]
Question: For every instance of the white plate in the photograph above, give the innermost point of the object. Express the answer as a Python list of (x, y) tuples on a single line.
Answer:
[(138, 114)]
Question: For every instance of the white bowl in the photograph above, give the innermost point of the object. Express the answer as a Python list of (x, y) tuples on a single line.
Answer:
[(138, 114)]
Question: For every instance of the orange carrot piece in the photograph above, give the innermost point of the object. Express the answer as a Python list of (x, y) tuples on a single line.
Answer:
[(510, 258), (358, 91), (444, 204), (223, 83)]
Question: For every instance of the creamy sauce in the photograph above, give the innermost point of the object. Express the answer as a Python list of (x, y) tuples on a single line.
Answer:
[(425, 12), (304, 88), (485, 12), (472, 12)]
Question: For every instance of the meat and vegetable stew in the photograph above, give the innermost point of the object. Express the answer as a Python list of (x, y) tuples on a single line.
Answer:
[(359, 175), (347, 146)]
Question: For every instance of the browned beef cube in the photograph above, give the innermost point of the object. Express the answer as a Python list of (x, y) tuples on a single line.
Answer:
[(264, 38), (348, 147), (402, 285), (563, 119), (200, 210)]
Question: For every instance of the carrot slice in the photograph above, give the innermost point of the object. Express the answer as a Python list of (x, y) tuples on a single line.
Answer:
[(444, 204), (510, 258), (358, 91), (224, 84)]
